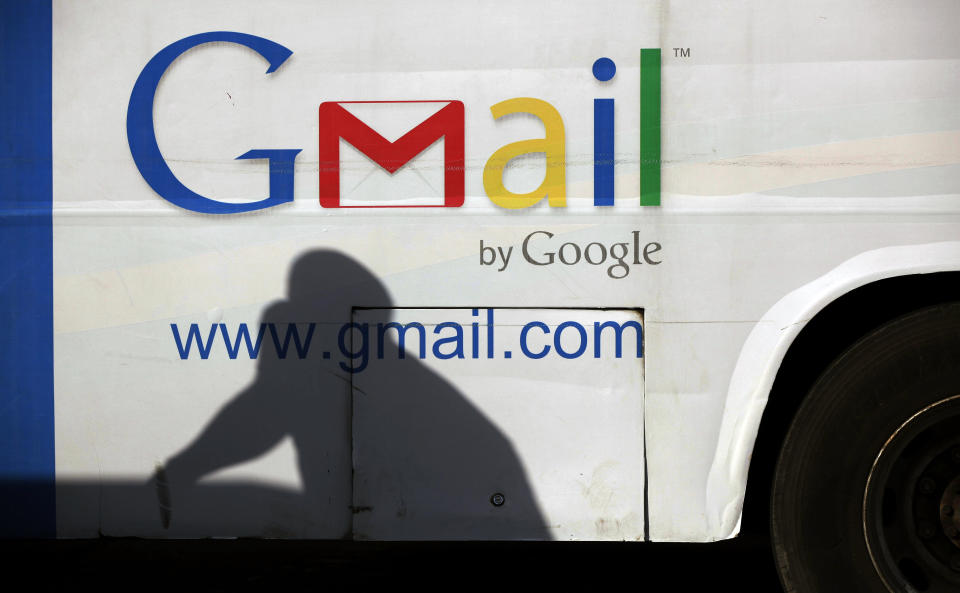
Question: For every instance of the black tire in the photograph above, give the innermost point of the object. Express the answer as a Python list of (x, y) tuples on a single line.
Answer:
[(871, 462)]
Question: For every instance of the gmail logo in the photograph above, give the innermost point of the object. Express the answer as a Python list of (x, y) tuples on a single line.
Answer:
[(349, 123)]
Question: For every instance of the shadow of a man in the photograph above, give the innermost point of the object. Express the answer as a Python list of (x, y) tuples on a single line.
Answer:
[(432, 454)]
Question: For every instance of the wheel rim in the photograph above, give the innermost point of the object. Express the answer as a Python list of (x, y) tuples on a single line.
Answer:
[(911, 503)]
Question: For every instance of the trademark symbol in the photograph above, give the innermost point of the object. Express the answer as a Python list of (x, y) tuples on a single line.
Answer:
[(681, 52)]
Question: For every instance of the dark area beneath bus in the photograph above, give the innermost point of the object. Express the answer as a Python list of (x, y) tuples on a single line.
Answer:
[(121, 564)]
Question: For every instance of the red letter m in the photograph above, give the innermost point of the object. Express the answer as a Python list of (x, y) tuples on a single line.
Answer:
[(336, 122)]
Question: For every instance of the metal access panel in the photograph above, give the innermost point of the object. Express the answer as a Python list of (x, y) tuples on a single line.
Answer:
[(498, 424)]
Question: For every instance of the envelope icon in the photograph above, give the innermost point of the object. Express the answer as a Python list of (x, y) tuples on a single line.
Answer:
[(339, 121)]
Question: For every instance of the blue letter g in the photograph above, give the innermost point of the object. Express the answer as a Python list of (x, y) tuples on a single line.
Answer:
[(143, 139)]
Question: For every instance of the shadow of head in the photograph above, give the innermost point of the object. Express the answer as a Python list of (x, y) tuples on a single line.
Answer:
[(325, 284), (325, 289)]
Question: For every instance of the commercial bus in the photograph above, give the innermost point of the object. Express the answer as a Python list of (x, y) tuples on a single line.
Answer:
[(642, 271)]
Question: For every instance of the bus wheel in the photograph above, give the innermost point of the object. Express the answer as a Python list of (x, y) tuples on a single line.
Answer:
[(866, 492)]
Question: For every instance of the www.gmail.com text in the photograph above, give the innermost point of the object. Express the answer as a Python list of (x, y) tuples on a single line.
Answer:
[(356, 343)]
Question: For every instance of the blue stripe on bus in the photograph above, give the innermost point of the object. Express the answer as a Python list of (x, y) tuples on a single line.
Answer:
[(27, 463)]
